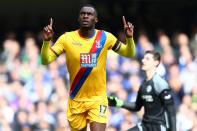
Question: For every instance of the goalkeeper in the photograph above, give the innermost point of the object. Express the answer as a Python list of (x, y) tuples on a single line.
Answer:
[(155, 96)]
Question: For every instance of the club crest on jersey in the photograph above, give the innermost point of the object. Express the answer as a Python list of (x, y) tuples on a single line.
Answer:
[(98, 44), (88, 59), (149, 88)]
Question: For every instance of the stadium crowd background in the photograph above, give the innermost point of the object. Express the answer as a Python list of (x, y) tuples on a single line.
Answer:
[(34, 97)]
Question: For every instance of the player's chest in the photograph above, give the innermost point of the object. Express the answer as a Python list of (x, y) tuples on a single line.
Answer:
[(147, 92), (86, 54), (77, 46)]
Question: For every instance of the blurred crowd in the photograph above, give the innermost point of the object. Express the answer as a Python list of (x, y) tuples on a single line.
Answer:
[(34, 97)]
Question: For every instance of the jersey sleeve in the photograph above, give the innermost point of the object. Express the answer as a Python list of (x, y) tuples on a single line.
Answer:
[(111, 40), (159, 84), (58, 47), (166, 95), (167, 99), (139, 100), (134, 106)]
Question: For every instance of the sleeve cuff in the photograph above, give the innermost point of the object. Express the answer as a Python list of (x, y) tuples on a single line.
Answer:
[(46, 42)]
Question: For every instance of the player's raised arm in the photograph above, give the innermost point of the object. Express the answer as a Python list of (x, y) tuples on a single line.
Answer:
[(48, 31), (128, 28), (47, 55), (128, 49)]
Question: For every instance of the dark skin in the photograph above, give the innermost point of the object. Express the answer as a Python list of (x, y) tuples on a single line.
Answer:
[(87, 20)]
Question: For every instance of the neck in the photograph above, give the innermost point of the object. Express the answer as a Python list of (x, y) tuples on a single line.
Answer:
[(84, 32), (150, 74)]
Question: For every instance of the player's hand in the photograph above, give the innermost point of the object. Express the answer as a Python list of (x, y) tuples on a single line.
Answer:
[(114, 101), (128, 28), (47, 33)]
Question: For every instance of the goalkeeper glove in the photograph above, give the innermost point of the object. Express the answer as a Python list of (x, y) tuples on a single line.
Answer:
[(114, 101)]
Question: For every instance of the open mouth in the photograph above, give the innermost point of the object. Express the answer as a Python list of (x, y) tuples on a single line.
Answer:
[(85, 22)]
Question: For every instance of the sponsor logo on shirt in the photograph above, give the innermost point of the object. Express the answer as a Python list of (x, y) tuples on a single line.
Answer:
[(88, 59), (147, 98), (77, 43)]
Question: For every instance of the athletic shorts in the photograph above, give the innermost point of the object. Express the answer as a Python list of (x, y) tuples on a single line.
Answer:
[(148, 127), (80, 113)]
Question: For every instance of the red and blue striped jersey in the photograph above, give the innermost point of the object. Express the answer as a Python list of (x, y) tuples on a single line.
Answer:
[(86, 63)]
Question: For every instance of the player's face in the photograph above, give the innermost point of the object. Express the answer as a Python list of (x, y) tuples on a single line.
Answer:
[(148, 62), (87, 17)]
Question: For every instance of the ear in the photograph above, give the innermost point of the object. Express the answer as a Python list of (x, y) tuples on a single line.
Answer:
[(157, 63), (96, 20)]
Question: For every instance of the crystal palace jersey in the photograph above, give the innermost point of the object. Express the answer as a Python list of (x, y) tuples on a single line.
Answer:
[(86, 63)]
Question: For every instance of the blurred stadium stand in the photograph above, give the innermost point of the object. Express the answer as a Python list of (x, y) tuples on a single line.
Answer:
[(33, 96), (171, 15)]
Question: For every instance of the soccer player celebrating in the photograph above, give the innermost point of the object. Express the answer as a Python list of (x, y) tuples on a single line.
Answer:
[(86, 52), (155, 96)]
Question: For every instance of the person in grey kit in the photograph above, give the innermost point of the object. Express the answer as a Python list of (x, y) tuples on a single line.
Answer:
[(154, 95)]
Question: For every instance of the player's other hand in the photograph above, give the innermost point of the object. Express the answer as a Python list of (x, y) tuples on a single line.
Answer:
[(128, 28), (114, 101), (47, 32)]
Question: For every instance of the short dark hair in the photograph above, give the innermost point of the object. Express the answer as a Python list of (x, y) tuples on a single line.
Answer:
[(89, 5), (156, 55)]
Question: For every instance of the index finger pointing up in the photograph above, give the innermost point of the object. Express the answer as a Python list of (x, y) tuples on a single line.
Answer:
[(124, 21), (51, 23)]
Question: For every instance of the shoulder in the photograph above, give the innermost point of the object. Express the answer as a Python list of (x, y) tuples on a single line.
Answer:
[(108, 34), (67, 34), (142, 86), (159, 83)]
